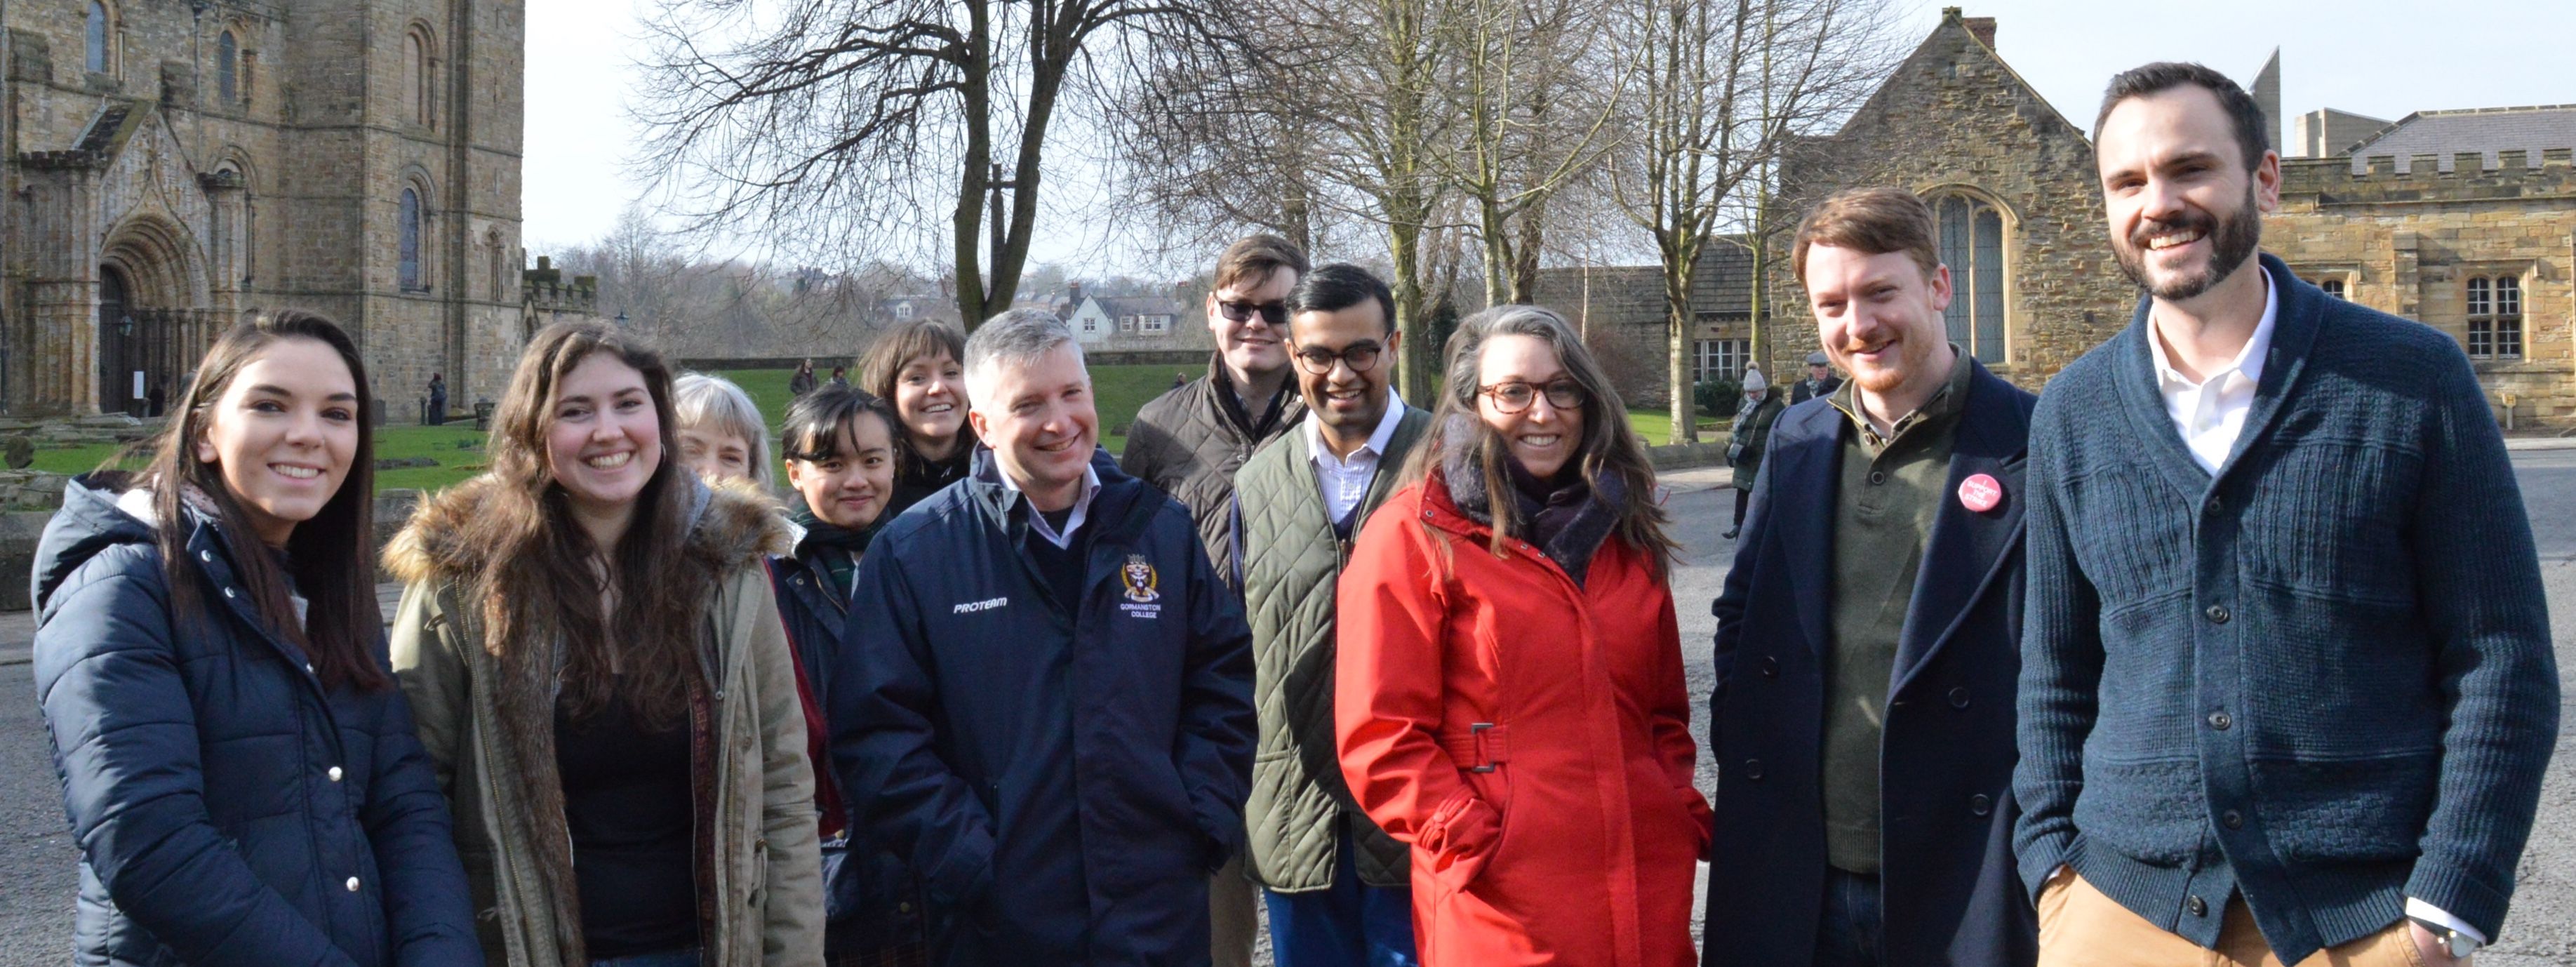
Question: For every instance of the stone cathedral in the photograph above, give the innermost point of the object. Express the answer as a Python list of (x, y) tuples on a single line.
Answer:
[(173, 166)]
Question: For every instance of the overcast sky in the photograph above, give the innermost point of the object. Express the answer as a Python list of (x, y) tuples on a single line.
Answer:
[(2383, 58)]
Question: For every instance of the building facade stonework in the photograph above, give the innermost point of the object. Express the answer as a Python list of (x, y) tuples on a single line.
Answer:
[(2485, 250), (176, 167)]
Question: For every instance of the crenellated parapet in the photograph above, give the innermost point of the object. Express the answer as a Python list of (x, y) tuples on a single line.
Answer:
[(2465, 176)]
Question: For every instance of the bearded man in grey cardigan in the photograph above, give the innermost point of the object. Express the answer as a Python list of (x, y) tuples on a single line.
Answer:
[(2287, 685)]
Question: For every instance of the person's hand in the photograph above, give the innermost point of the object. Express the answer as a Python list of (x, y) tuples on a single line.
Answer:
[(2435, 952)]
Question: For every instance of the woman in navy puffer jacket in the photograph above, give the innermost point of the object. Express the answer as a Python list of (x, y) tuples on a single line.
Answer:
[(239, 769)]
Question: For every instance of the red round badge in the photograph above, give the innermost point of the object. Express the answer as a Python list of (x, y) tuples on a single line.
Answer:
[(1980, 493)]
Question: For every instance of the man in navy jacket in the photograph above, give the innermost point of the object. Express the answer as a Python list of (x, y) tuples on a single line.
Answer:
[(2287, 682), (1047, 702), (1867, 635)]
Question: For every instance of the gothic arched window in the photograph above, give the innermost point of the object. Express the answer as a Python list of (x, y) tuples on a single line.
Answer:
[(417, 82), (1972, 245), (227, 69), (408, 223), (96, 34)]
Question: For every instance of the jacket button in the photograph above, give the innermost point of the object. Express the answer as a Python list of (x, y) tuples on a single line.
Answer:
[(1753, 769), (904, 907), (1958, 698), (2221, 721), (206, 556), (308, 668), (2217, 504), (1877, 477), (2197, 906), (228, 593), (1770, 667), (353, 884), (2217, 614), (2233, 819), (334, 773), (1980, 804)]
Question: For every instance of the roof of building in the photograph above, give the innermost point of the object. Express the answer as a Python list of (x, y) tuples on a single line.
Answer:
[(2485, 130), (1137, 306)]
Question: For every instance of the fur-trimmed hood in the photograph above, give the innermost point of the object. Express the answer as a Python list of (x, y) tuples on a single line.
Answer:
[(731, 525)]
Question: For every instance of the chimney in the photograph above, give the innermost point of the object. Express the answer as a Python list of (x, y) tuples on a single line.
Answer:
[(1982, 27), (1073, 291)]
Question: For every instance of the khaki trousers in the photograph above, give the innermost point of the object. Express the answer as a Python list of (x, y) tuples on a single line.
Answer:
[(2081, 927), (1232, 912)]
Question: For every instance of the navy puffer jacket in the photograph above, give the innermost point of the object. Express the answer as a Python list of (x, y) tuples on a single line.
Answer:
[(228, 810)]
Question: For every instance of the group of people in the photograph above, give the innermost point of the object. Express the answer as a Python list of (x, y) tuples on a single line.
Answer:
[(2230, 650)]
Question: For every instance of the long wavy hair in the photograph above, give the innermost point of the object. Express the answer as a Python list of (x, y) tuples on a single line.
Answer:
[(330, 558), (542, 587), (1608, 448)]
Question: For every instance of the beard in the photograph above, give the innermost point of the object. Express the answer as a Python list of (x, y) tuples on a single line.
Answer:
[(1913, 355), (2232, 239)]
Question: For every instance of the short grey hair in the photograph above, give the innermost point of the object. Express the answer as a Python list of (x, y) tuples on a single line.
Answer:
[(715, 403), (1018, 337)]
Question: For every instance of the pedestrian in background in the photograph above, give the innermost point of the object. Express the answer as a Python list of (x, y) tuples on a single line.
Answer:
[(840, 451), (437, 399), (1867, 633), (1189, 441), (840, 376), (920, 368), (1046, 697), (241, 775), (599, 673), (1336, 886), (722, 436), (1749, 439), (2287, 688), (803, 381), (1820, 382), (1509, 697)]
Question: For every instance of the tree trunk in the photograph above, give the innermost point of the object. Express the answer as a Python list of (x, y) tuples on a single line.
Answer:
[(1677, 330)]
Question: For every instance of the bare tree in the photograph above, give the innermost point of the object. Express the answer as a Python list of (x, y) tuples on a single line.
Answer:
[(846, 127), (1726, 86), (1538, 95)]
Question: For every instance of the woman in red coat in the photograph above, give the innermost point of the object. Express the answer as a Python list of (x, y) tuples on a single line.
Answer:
[(1509, 694)]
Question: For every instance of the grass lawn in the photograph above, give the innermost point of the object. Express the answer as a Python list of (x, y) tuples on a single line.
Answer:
[(1121, 391)]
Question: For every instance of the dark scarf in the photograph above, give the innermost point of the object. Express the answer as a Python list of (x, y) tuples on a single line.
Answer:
[(834, 547), (1565, 517)]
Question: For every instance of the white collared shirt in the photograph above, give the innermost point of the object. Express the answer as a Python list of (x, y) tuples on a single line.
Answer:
[(1072, 522), (2210, 413), (1346, 479)]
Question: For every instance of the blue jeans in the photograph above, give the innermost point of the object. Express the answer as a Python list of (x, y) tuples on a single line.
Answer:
[(1852, 932), (667, 958), (1351, 924)]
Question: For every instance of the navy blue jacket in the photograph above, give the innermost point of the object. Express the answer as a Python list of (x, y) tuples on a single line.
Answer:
[(1947, 880), (228, 810), (868, 896), (2321, 677), (1064, 774)]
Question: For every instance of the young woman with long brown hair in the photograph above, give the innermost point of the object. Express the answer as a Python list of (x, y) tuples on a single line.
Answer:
[(1509, 697), (242, 776), (599, 672), (919, 367)]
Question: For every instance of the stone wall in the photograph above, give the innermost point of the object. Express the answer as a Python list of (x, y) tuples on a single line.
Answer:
[(2405, 238)]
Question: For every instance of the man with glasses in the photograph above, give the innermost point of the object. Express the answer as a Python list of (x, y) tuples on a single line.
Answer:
[(1336, 886), (1190, 441), (1867, 635)]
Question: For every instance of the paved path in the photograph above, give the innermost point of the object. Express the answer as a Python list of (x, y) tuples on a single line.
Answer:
[(37, 872)]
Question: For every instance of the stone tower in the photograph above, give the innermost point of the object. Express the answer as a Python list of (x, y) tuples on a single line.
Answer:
[(2267, 95), (179, 166)]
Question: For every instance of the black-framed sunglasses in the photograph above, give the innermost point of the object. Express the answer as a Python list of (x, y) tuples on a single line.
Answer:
[(1236, 310), (1516, 396), (1359, 356)]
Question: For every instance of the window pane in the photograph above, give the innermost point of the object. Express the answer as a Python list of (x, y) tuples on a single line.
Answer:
[(227, 52), (96, 34), (2478, 297), (1954, 253), (1733, 356), (2508, 339), (2508, 296), (409, 225), (2334, 287), (1989, 286), (2481, 338)]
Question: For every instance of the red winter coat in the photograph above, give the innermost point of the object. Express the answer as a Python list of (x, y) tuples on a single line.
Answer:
[(1566, 832)]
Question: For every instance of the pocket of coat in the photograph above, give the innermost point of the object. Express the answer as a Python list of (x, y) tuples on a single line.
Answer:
[(760, 865)]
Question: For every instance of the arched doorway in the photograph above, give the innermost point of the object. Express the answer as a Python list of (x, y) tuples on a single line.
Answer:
[(138, 349)]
